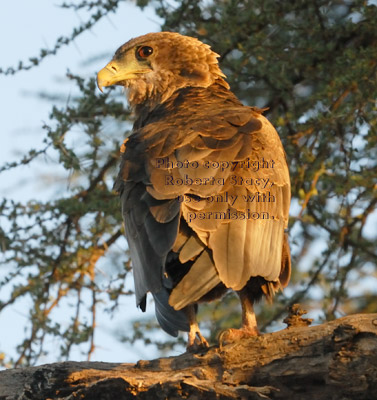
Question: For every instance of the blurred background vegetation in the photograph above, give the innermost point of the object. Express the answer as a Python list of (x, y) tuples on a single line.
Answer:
[(313, 63)]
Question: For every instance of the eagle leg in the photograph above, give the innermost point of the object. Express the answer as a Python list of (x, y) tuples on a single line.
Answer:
[(249, 321), (196, 341)]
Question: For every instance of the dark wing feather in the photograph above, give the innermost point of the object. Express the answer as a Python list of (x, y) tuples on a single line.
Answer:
[(149, 240), (170, 320), (151, 228)]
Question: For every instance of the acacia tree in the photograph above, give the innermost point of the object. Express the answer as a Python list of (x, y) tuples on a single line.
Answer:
[(313, 66)]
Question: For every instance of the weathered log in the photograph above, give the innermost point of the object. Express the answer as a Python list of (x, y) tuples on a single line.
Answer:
[(335, 360)]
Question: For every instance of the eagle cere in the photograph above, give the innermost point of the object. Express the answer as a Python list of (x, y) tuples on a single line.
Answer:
[(203, 182)]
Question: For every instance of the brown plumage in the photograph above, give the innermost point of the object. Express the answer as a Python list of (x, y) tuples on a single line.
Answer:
[(204, 184)]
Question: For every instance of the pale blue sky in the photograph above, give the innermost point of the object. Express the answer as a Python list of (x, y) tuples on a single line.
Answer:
[(27, 26)]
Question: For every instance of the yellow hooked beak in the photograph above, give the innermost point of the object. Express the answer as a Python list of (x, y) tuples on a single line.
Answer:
[(118, 71)]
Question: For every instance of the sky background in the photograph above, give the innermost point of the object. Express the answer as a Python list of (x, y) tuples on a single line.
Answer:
[(26, 27)]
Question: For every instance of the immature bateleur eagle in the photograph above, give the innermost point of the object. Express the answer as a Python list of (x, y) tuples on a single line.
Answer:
[(197, 226)]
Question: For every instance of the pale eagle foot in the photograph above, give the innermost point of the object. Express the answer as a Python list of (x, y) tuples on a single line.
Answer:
[(234, 335), (196, 342)]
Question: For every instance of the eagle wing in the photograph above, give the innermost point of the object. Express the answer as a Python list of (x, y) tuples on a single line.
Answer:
[(211, 186)]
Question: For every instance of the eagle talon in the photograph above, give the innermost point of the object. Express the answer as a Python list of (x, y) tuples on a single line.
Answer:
[(233, 335), (196, 342)]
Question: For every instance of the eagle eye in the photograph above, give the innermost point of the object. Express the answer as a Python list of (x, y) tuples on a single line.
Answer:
[(143, 52)]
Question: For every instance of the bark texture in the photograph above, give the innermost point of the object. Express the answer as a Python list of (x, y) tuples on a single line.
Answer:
[(336, 360)]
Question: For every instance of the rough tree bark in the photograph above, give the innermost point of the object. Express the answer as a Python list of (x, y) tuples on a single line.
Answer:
[(336, 360)]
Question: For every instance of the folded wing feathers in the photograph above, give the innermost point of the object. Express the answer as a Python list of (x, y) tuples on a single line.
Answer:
[(201, 278), (237, 248)]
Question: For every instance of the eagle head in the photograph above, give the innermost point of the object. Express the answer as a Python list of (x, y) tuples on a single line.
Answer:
[(153, 66)]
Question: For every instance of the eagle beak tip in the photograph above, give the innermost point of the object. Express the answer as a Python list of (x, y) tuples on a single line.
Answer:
[(104, 78)]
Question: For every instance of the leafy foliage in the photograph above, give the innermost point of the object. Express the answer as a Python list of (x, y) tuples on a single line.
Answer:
[(313, 64)]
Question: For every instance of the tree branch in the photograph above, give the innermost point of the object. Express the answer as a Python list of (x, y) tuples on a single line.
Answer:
[(336, 360)]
